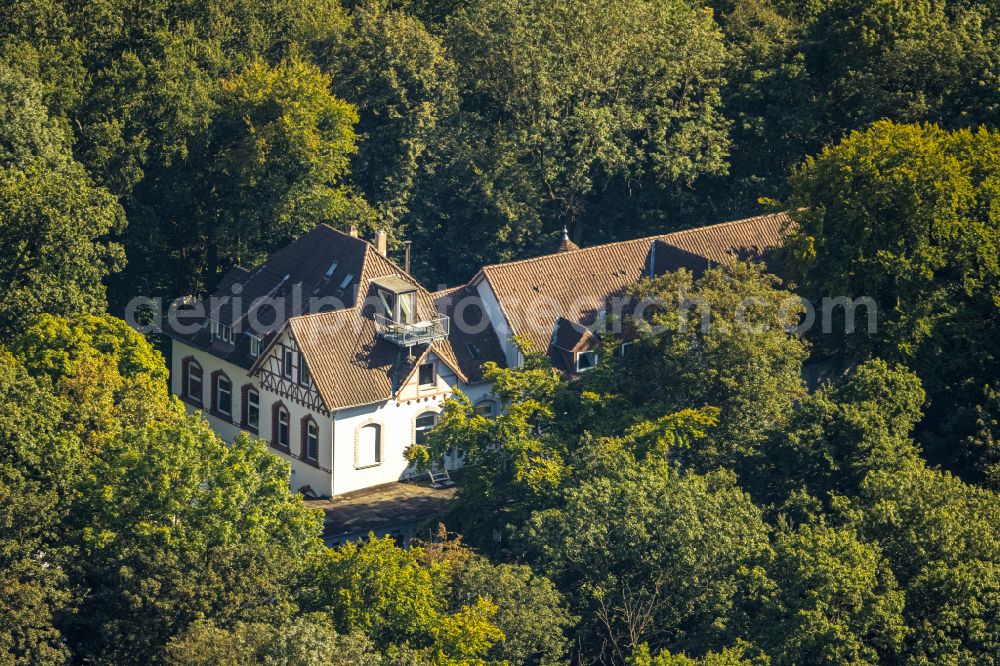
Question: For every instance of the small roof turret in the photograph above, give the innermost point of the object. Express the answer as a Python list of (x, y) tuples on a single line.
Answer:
[(567, 245)]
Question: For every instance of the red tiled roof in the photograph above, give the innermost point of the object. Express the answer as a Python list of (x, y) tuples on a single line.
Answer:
[(352, 366), (744, 240), (347, 360), (472, 339), (302, 267), (576, 285)]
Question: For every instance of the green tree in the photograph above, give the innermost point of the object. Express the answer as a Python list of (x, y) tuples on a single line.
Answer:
[(560, 101), (651, 555), (173, 525), (836, 600), (838, 435), (720, 340), (28, 131), (903, 214), (267, 167), (768, 98), (402, 82), (304, 641), (107, 375), (530, 610), (802, 74), (850, 448), (942, 539), (55, 254), (908, 61), (137, 84), (37, 465), (127, 520), (399, 599)]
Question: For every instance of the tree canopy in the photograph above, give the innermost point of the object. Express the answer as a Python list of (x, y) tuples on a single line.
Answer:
[(691, 500), (906, 215)]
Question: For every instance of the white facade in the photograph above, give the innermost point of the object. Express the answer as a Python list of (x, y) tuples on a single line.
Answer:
[(498, 320), (346, 460)]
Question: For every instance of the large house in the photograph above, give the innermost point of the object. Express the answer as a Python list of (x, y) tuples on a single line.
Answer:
[(340, 359)]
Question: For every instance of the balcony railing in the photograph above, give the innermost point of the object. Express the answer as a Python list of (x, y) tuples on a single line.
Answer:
[(408, 335)]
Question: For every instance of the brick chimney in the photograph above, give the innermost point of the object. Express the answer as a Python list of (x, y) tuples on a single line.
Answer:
[(381, 242)]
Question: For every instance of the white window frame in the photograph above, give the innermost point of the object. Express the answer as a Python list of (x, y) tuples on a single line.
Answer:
[(583, 354), (304, 376), (192, 364), (420, 432), (287, 363), (379, 444), (253, 404), (433, 381), (222, 331), (312, 439), (254, 345), (287, 444), (218, 394)]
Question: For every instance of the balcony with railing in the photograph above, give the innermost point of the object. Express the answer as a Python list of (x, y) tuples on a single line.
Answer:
[(417, 333)]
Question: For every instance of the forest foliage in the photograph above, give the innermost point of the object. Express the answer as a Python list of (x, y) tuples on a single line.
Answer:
[(686, 502)]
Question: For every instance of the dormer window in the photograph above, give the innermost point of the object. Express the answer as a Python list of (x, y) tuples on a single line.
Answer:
[(398, 307), (222, 331), (586, 360), (398, 298), (254, 345), (397, 319)]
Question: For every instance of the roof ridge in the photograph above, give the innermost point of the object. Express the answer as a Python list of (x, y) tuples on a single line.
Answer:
[(256, 268), (337, 231), (440, 293), (575, 253), (641, 239), (324, 312), (718, 224)]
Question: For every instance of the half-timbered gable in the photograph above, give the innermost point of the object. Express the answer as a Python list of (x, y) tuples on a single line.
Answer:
[(284, 371)]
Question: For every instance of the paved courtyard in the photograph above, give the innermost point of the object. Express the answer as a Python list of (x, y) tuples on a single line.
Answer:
[(397, 509)]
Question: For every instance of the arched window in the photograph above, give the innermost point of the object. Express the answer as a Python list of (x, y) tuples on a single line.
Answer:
[(310, 440), (251, 408), (422, 425), (368, 447), (191, 378), (281, 427), (222, 394)]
